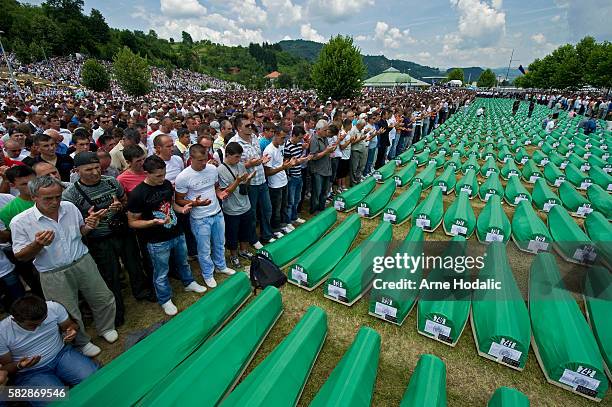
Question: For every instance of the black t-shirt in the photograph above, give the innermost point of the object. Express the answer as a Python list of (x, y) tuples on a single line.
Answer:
[(155, 202), (64, 165), (383, 138)]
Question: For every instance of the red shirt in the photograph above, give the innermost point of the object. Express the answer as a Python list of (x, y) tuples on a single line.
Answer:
[(129, 180)]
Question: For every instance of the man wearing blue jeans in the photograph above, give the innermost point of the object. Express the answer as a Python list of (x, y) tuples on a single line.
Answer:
[(320, 167), (151, 211), (294, 148), (253, 161), (34, 346), (197, 186)]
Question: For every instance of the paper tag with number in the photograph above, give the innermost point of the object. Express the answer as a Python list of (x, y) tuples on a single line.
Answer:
[(436, 329), (299, 275), (563, 165), (584, 210), (524, 160), (585, 254), (548, 205), (339, 205), (363, 211), (494, 237), (384, 309), (467, 189), (423, 223), (533, 178), (537, 246), (519, 199), (585, 167), (336, 292), (585, 184), (575, 379), (442, 187), (458, 230), (377, 176), (559, 181), (389, 217), (398, 181), (544, 161), (499, 351)]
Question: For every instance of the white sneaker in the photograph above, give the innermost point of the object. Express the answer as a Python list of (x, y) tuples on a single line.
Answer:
[(257, 245), (210, 282), (290, 227), (286, 230), (90, 350), (272, 240), (300, 221), (278, 235), (195, 288), (227, 271), (110, 336), (169, 308)]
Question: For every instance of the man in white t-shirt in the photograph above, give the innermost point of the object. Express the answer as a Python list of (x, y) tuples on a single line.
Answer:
[(198, 185), (34, 345), (277, 182), (165, 128), (163, 149)]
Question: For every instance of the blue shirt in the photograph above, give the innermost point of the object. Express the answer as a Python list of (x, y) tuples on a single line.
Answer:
[(61, 149)]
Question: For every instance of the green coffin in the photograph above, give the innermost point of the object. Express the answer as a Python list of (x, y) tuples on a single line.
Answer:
[(401, 207), (543, 197), (554, 176), (404, 157), (428, 214), (599, 230), (438, 160), (219, 355), (447, 180), (488, 152), (405, 175), (578, 178), (454, 163), (510, 170), (515, 192), (504, 154), (605, 165), (135, 372), (499, 316), (426, 176), (468, 184), (351, 383), (421, 158), (471, 164), (320, 259), (565, 345), (290, 246), (489, 167), (574, 201), (529, 231), (531, 172), (492, 186), (349, 199), (508, 397), (280, 378), (459, 218), (493, 224), (393, 303), (580, 163), (540, 158), (521, 156), (427, 387), (598, 304), (385, 172), (559, 160), (601, 178), (353, 275), (442, 314), (601, 200), (569, 240), (377, 200)]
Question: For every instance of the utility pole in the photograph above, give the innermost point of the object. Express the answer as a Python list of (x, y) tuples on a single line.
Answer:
[(8, 64), (510, 63)]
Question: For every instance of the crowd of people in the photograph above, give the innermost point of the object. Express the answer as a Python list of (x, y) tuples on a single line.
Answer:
[(98, 187)]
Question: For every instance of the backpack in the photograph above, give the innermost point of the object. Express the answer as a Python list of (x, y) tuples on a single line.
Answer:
[(264, 273)]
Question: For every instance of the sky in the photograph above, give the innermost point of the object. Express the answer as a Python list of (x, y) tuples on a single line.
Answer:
[(438, 33)]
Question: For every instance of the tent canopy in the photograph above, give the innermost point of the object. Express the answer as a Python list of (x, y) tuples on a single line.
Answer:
[(392, 78)]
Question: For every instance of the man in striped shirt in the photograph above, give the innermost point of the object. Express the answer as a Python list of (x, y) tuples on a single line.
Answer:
[(294, 148)]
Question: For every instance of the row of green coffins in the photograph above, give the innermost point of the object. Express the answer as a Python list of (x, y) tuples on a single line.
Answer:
[(170, 377)]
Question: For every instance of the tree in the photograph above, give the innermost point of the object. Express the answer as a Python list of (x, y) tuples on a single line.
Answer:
[(132, 73), (285, 81), (94, 76), (22, 51), (339, 70), (187, 40), (486, 79), (455, 74)]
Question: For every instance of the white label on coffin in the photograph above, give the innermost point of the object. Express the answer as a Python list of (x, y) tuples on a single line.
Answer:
[(494, 237), (585, 184), (587, 155), (559, 181), (506, 159), (432, 161), (519, 199), (398, 181), (524, 160), (575, 379), (363, 211), (527, 142), (488, 195), (398, 162), (609, 187), (585, 167), (338, 205), (607, 170), (586, 254), (436, 329), (533, 178), (548, 205), (377, 176), (537, 246), (298, 275), (423, 223), (384, 309), (335, 292), (489, 172), (555, 144), (389, 217), (442, 187), (458, 230), (544, 161), (584, 210), (563, 165), (499, 351), (467, 189), (512, 174)]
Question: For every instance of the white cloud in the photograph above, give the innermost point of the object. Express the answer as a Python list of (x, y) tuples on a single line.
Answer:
[(287, 38), (480, 24), (309, 33), (539, 38), (331, 10), (249, 14), (182, 8), (556, 18), (497, 4), (362, 38), (283, 12), (392, 37)]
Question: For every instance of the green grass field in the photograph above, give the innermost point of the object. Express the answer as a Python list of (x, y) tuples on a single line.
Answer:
[(471, 379)]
